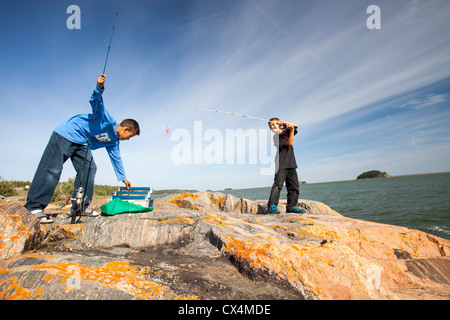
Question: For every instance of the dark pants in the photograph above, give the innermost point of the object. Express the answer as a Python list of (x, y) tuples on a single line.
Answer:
[(47, 175), (291, 178)]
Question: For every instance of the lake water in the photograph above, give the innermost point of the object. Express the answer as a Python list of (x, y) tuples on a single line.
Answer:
[(419, 202)]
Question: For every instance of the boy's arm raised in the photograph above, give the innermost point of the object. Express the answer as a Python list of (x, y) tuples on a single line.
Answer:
[(290, 124), (96, 100), (291, 130)]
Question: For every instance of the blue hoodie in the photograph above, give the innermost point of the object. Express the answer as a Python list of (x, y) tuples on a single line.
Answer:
[(104, 135)]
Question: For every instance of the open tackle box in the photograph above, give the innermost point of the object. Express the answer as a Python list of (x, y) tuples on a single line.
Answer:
[(136, 195)]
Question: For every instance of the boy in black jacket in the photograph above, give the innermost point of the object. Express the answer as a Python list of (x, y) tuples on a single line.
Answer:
[(286, 167)]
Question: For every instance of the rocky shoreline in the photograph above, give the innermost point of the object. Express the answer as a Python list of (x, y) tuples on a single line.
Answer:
[(215, 246)]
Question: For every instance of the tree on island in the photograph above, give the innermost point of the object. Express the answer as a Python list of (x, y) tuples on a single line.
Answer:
[(373, 174)]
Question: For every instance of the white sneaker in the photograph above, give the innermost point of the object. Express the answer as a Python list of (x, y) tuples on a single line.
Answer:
[(46, 219), (89, 212), (42, 216)]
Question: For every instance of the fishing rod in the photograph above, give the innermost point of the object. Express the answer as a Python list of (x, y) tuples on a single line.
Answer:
[(282, 126), (110, 40), (225, 112), (79, 195), (217, 111)]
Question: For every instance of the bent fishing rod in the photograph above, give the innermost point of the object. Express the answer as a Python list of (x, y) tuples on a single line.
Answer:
[(217, 111), (282, 126), (225, 112), (79, 199)]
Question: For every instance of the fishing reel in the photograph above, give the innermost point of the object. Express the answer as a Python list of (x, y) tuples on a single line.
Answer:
[(78, 206)]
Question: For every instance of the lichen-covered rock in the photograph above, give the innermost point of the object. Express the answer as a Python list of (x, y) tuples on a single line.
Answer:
[(68, 276), (215, 246), (331, 257), (20, 231), (217, 201), (137, 230)]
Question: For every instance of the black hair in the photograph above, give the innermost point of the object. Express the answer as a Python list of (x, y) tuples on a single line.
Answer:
[(271, 119), (132, 125)]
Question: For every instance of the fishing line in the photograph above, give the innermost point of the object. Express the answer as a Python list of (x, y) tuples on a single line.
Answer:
[(225, 112), (216, 111), (231, 114), (79, 195)]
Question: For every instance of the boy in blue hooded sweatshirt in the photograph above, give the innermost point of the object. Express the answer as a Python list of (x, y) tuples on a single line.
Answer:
[(74, 138)]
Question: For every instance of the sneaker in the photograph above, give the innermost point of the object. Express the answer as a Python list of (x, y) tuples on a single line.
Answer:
[(296, 210), (273, 209), (42, 216), (89, 212), (45, 220)]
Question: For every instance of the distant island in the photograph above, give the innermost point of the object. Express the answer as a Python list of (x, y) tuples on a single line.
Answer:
[(373, 174)]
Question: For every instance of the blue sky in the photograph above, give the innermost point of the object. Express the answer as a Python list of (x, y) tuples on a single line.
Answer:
[(364, 99)]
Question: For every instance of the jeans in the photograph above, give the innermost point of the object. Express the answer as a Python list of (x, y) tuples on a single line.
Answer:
[(47, 175), (291, 178)]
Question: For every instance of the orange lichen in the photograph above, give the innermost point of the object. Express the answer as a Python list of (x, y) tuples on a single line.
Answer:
[(47, 277), (177, 200), (12, 232), (181, 219), (218, 220), (219, 202), (15, 292), (187, 297), (72, 229), (296, 263), (118, 275), (183, 196)]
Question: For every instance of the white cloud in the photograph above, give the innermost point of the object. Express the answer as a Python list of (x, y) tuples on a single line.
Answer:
[(428, 101)]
